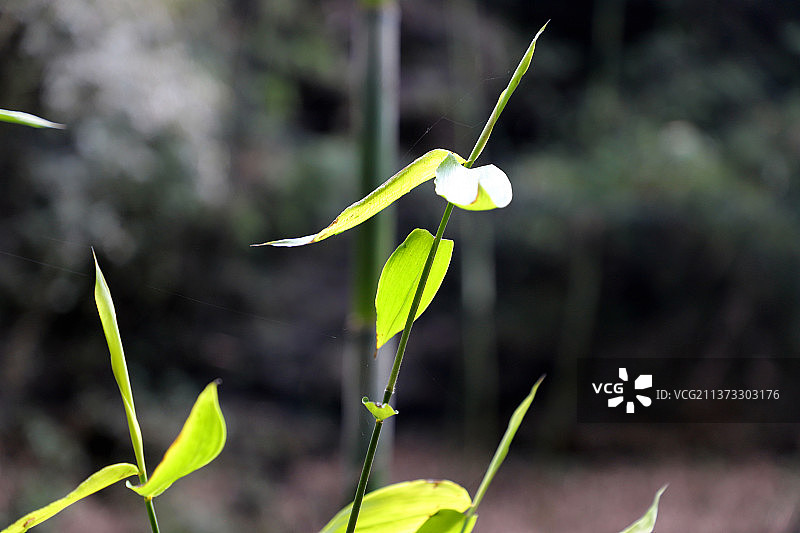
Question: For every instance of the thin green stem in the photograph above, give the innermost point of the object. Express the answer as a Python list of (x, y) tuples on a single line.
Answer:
[(401, 347), (398, 359), (426, 270), (148, 502), (151, 514), (364, 479)]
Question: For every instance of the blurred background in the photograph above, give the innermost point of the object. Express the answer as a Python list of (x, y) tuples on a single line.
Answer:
[(654, 150)]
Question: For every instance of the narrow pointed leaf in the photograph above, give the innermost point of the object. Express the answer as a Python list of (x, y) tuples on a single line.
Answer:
[(402, 507), (648, 521), (97, 481), (108, 317), (199, 442), (399, 280), (475, 189), (418, 172), (505, 443), (381, 411), (448, 521), (504, 97), (26, 119)]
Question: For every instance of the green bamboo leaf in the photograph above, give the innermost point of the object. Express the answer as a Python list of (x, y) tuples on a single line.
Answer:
[(399, 280), (418, 172), (108, 317), (381, 411), (26, 119), (502, 448), (475, 189), (199, 442), (503, 99), (448, 521), (648, 521), (97, 481), (402, 507)]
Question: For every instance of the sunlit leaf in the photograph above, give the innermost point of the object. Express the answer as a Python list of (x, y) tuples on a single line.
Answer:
[(26, 119), (648, 521), (97, 481), (504, 97), (475, 189), (108, 317), (403, 507), (400, 278), (505, 443), (420, 171), (199, 442), (448, 521), (381, 411)]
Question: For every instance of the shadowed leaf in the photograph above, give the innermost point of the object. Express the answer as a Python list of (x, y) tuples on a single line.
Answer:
[(505, 443), (448, 521)]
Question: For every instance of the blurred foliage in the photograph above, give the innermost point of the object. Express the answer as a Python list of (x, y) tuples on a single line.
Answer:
[(656, 191)]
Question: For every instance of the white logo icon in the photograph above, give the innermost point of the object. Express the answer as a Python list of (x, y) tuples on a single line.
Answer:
[(644, 381)]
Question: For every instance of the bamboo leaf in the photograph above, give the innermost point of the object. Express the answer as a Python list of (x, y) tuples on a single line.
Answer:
[(475, 189), (648, 521), (381, 411), (448, 521), (199, 442), (26, 119), (402, 507), (399, 280), (504, 97), (97, 481), (108, 317), (502, 448), (418, 172)]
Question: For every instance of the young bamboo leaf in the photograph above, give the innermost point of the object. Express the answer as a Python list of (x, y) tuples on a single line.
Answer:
[(448, 521), (418, 172), (108, 317), (503, 99), (475, 189), (26, 119), (199, 442), (403, 507), (648, 521), (399, 280), (97, 481), (381, 411), (502, 448)]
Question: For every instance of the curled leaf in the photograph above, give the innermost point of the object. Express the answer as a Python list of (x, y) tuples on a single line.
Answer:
[(419, 171), (97, 481), (475, 189), (381, 411), (199, 442)]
